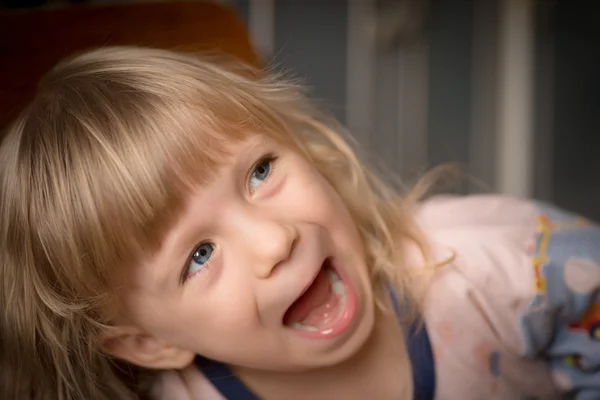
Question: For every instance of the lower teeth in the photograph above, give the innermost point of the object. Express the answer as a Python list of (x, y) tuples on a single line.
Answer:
[(340, 290), (302, 327)]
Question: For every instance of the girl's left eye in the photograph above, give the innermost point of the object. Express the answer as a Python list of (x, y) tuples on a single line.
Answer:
[(200, 259), (261, 172)]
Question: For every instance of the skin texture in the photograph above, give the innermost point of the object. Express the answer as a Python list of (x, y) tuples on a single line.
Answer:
[(270, 234)]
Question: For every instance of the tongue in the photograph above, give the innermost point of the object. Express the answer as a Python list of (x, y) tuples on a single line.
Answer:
[(316, 296)]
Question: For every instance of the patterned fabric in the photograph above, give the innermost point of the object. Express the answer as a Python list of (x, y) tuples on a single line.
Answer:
[(514, 310), (562, 321)]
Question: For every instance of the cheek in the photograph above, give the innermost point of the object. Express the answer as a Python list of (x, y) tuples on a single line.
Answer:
[(231, 309), (332, 210), (195, 312), (310, 193), (322, 205), (201, 321), (336, 216)]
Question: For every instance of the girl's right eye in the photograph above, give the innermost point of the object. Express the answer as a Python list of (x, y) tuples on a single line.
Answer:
[(200, 259)]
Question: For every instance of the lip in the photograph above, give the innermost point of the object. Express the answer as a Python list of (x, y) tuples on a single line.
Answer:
[(348, 314)]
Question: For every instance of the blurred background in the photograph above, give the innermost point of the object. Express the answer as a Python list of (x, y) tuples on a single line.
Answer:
[(509, 89)]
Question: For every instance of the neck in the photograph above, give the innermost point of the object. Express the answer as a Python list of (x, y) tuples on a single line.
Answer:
[(380, 370)]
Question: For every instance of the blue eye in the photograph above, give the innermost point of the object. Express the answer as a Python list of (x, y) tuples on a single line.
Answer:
[(261, 172), (200, 257)]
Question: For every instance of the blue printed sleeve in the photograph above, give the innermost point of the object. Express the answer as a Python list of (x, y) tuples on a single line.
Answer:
[(561, 322)]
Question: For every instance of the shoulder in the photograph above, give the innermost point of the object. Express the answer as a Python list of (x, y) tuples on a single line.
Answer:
[(455, 212), (488, 237), (521, 246), (525, 278), (506, 235)]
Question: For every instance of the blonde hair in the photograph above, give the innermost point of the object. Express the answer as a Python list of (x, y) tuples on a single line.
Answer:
[(97, 168)]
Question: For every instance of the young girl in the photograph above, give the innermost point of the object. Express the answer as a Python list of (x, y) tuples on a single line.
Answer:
[(175, 227)]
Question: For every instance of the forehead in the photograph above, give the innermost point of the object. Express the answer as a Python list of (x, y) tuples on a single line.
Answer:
[(228, 152), (235, 157)]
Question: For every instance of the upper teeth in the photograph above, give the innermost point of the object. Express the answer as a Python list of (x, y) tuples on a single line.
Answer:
[(336, 282)]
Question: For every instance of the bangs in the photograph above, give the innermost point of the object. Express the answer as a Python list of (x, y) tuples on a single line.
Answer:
[(130, 136)]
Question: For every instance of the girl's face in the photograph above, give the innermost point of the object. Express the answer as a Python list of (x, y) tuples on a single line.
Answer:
[(265, 269)]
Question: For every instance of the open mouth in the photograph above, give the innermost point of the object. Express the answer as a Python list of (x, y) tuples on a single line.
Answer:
[(325, 309)]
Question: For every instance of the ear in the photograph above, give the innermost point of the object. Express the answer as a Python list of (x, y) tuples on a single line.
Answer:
[(139, 348)]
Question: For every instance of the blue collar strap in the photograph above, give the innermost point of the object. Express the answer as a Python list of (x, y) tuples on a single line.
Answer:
[(421, 358), (420, 354), (223, 380)]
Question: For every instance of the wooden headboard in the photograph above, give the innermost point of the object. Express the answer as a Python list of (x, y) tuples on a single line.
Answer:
[(32, 42)]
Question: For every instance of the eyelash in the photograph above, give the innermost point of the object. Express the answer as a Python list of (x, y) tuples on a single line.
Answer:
[(186, 276), (269, 158)]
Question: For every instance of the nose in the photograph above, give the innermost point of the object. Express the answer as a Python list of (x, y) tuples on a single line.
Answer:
[(269, 241)]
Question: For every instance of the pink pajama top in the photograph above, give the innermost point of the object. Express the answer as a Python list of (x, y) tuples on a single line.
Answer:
[(515, 312)]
